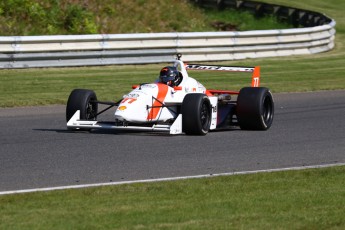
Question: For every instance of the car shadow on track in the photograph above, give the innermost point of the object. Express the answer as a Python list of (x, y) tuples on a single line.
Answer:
[(131, 132), (113, 132)]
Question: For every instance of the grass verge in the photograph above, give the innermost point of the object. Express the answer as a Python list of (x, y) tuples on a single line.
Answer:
[(306, 199), (31, 87)]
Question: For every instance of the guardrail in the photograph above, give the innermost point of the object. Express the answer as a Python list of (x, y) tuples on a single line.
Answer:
[(106, 49)]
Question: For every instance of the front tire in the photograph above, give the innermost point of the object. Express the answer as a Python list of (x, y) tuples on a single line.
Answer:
[(255, 108), (84, 100), (196, 114)]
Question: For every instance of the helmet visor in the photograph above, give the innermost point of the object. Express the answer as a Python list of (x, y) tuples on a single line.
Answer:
[(167, 78)]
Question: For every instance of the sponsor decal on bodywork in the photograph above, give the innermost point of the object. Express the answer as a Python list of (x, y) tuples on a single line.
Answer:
[(220, 68)]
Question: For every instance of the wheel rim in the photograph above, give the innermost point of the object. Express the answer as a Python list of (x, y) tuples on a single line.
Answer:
[(90, 111), (205, 116)]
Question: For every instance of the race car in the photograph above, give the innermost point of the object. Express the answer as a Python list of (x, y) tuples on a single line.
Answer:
[(177, 104)]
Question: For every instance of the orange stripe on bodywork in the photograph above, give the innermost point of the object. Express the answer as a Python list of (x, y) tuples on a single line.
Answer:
[(162, 92), (256, 77)]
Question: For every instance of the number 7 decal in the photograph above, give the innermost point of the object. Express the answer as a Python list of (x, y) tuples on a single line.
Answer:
[(128, 100), (256, 77)]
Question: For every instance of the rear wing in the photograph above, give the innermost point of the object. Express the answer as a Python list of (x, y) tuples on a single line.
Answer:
[(254, 70)]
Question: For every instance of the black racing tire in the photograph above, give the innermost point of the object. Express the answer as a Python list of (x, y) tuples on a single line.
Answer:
[(196, 114), (84, 100), (255, 108)]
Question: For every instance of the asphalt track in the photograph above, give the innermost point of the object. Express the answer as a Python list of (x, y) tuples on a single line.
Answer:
[(37, 151)]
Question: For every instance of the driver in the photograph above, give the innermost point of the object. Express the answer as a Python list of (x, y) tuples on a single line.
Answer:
[(170, 75)]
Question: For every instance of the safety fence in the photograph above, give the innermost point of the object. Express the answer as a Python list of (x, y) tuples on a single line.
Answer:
[(107, 49)]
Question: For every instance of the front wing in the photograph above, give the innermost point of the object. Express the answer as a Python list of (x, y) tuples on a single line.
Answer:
[(76, 123)]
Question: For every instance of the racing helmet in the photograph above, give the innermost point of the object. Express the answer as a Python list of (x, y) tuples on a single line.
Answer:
[(169, 75)]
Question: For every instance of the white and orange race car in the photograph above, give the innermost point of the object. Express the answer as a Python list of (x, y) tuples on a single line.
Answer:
[(177, 103)]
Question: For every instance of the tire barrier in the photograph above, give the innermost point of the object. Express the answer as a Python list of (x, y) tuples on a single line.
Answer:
[(317, 35)]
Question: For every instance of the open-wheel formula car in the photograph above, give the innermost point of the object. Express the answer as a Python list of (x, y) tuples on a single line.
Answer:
[(176, 103)]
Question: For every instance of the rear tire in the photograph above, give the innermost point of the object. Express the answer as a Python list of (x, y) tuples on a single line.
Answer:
[(196, 114), (255, 108), (83, 100)]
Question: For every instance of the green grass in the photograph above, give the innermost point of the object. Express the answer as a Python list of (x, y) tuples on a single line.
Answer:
[(42, 17), (243, 20), (306, 199), (52, 86)]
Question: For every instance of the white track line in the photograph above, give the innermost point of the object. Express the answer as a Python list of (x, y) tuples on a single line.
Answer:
[(167, 179)]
